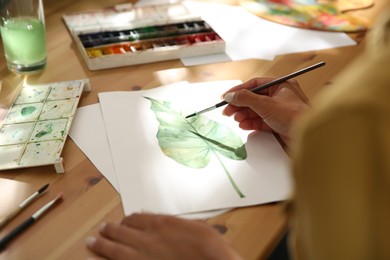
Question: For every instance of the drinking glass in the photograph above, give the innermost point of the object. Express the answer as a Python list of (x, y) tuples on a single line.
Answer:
[(22, 25)]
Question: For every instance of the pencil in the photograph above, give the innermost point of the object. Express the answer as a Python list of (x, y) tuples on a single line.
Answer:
[(264, 86), (6, 218), (28, 222)]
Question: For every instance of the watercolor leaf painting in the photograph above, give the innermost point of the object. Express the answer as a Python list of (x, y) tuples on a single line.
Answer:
[(193, 142)]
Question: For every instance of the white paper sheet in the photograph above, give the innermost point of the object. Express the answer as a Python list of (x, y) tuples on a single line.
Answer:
[(89, 133), (248, 36), (150, 181)]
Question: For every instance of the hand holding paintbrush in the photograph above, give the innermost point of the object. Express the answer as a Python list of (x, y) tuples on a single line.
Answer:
[(264, 86), (273, 107)]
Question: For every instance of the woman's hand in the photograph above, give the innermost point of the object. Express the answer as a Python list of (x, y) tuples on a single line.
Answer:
[(149, 236), (273, 109)]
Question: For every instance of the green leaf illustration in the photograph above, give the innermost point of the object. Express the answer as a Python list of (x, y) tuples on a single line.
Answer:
[(193, 141)]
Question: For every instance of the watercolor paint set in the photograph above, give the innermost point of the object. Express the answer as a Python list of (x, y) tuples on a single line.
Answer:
[(128, 36), (36, 126)]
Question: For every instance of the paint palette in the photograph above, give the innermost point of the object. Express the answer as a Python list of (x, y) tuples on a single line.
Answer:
[(326, 15), (35, 129), (137, 35)]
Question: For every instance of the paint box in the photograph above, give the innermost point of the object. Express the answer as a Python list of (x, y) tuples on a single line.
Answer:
[(36, 126), (136, 35)]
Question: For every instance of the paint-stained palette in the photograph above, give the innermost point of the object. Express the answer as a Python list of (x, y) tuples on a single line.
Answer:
[(115, 38), (35, 129), (326, 15)]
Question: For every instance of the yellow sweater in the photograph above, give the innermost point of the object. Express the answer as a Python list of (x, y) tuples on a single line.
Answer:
[(341, 163)]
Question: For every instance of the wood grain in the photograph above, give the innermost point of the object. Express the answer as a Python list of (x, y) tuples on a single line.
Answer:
[(88, 197)]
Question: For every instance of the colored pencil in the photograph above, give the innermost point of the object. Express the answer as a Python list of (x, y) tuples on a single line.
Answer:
[(264, 86), (8, 217), (28, 222)]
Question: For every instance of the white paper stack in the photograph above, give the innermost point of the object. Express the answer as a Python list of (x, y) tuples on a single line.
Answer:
[(126, 150)]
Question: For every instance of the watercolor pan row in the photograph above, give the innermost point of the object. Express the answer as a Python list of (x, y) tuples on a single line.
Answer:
[(163, 43), (144, 33)]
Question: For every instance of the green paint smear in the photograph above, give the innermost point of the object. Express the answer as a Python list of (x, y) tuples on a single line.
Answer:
[(48, 130), (28, 110), (193, 141)]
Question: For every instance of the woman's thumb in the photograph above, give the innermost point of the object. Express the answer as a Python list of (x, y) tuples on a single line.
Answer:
[(243, 98)]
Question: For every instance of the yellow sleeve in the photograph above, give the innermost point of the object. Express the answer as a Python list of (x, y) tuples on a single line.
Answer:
[(341, 182), (341, 164)]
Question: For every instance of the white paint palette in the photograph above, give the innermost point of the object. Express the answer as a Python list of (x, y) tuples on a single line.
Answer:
[(36, 127)]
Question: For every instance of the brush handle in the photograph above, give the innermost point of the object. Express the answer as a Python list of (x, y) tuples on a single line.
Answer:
[(19, 229), (279, 80), (222, 103), (287, 77)]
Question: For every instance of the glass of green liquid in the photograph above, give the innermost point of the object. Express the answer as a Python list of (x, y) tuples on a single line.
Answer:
[(22, 26)]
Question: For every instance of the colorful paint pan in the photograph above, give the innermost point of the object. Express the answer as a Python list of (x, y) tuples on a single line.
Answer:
[(108, 39)]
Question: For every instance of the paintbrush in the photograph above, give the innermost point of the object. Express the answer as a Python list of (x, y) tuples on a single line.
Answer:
[(6, 218), (28, 222), (264, 86)]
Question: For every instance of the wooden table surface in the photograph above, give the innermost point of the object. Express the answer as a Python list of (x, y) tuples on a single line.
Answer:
[(88, 197)]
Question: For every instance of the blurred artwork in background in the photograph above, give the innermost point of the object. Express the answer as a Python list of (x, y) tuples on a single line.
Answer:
[(325, 15)]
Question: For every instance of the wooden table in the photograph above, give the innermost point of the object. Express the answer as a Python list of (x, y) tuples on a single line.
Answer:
[(88, 197)]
